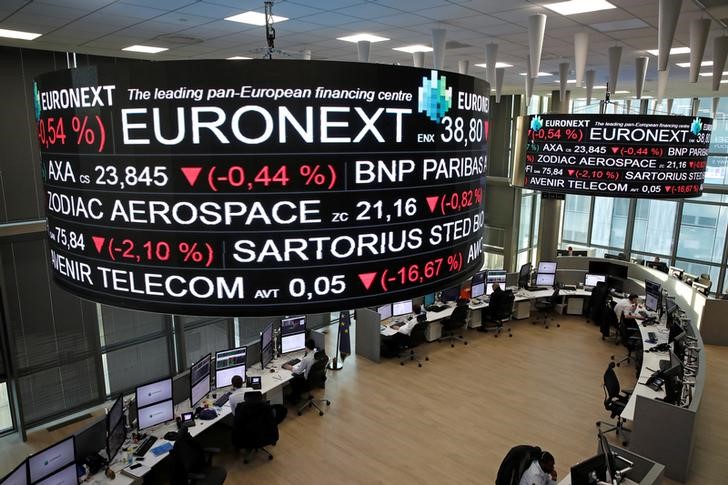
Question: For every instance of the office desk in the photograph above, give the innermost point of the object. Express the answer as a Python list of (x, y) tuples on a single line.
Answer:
[(644, 471), (271, 386)]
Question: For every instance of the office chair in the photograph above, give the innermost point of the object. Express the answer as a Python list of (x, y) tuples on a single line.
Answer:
[(500, 311), (615, 400), (515, 464), (608, 322), (630, 337), (254, 426), (414, 340), (192, 464), (545, 306), (705, 280), (316, 380), (599, 297), (457, 321)]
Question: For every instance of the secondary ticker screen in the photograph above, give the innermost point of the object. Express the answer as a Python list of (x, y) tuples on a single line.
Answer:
[(261, 187), (617, 155)]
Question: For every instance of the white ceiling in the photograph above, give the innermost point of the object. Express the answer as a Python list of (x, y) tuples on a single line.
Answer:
[(195, 29)]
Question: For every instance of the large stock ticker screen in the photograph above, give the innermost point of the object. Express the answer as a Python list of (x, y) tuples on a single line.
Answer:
[(261, 187), (617, 155)]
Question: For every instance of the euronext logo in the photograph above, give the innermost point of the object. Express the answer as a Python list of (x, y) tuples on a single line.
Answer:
[(36, 101), (434, 97)]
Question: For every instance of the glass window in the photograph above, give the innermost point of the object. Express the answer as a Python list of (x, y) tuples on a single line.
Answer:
[(524, 223), (493, 261), (210, 337), (521, 259), (132, 366), (121, 325), (698, 268), (717, 170), (702, 232), (6, 418), (576, 218), (653, 226), (610, 222)]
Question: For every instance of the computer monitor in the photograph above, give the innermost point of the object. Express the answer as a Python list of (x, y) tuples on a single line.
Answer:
[(401, 308), (676, 272), (385, 311), (580, 252), (546, 267), (115, 414), (524, 275), (199, 380), (19, 476), (429, 299), (90, 439), (477, 284), (592, 279), (154, 392), (495, 276), (293, 325), (618, 270), (229, 363), (545, 279), (652, 295), (293, 334), (51, 459), (450, 294), (658, 265), (266, 345), (599, 267), (65, 476), (115, 440), (609, 459), (676, 367), (588, 471), (155, 414)]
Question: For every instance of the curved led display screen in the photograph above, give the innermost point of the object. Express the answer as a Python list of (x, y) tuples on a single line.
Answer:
[(261, 187), (617, 155)]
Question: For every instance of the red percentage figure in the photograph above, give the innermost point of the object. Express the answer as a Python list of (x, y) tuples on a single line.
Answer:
[(452, 262), (83, 133), (312, 174), (190, 251)]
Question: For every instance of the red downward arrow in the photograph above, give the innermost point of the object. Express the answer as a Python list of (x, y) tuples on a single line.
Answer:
[(615, 150), (98, 242), (485, 126), (367, 278), (432, 202), (191, 174), (525, 181), (668, 188), (692, 164), (571, 172)]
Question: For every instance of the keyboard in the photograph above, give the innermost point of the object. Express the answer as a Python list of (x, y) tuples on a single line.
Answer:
[(652, 336), (293, 361), (145, 445), (643, 314), (222, 400), (664, 364), (436, 308), (536, 288), (569, 288)]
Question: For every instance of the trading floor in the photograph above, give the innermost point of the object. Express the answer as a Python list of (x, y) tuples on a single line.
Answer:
[(453, 420)]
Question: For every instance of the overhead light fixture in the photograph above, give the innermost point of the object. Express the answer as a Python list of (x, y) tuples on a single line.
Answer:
[(18, 34), (254, 18), (238, 58), (568, 81), (360, 37), (601, 86), (621, 92), (674, 50), (497, 65), (574, 7), (724, 81), (614, 26), (687, 64), (413, 48), (540, 74), (707, 74), (147, 49)]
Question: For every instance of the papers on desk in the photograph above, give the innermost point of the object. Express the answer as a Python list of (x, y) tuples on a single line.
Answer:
[(137, 470)]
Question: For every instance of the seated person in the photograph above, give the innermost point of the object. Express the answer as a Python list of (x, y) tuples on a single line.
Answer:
[(627, 308), (496, 297), (541, 471), (392, 344), (300, 370), (238, 394)]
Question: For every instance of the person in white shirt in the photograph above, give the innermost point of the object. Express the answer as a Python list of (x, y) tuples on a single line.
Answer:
[(300, 371), (626, 308), (405, 328), (541, 471), (238, 394)]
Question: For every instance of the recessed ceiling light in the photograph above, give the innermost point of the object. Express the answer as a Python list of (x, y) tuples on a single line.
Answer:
[(147, 49), (687, 64), (238, 58), (253, 18), (621, 92), (540, 74), (706, 74), (601, 86), (413, 48), (724, 81), (497, 65), (359, 37), (573, 7), (17, 34), (674, 50), (629, 24), (568, 81)]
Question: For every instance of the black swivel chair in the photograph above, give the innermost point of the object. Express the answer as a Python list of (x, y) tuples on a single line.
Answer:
[(615, 400), (545, 307), (456, 322), (597, 300), (255, 425), (608, 322), (316, 380), (414, 340), (500, 310), (192, 464), (629, 336)]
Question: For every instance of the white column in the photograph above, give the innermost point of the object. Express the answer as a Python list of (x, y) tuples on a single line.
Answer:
[(499, 72), (362, 48), (536, 29), (668, 13), (438, 48), (581, 47), (491, 54), (640, 65), (720, 51), (563, 77), (615, 56), (418, 59), (699, 29), (590, 74), (463, 65)]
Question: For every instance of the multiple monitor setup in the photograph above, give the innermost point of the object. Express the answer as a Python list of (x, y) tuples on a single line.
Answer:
[(200, 378), (601, 468), (653, 291), (615, 273), (591, 280), (55, 465), (293, 334), (546, 273)]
